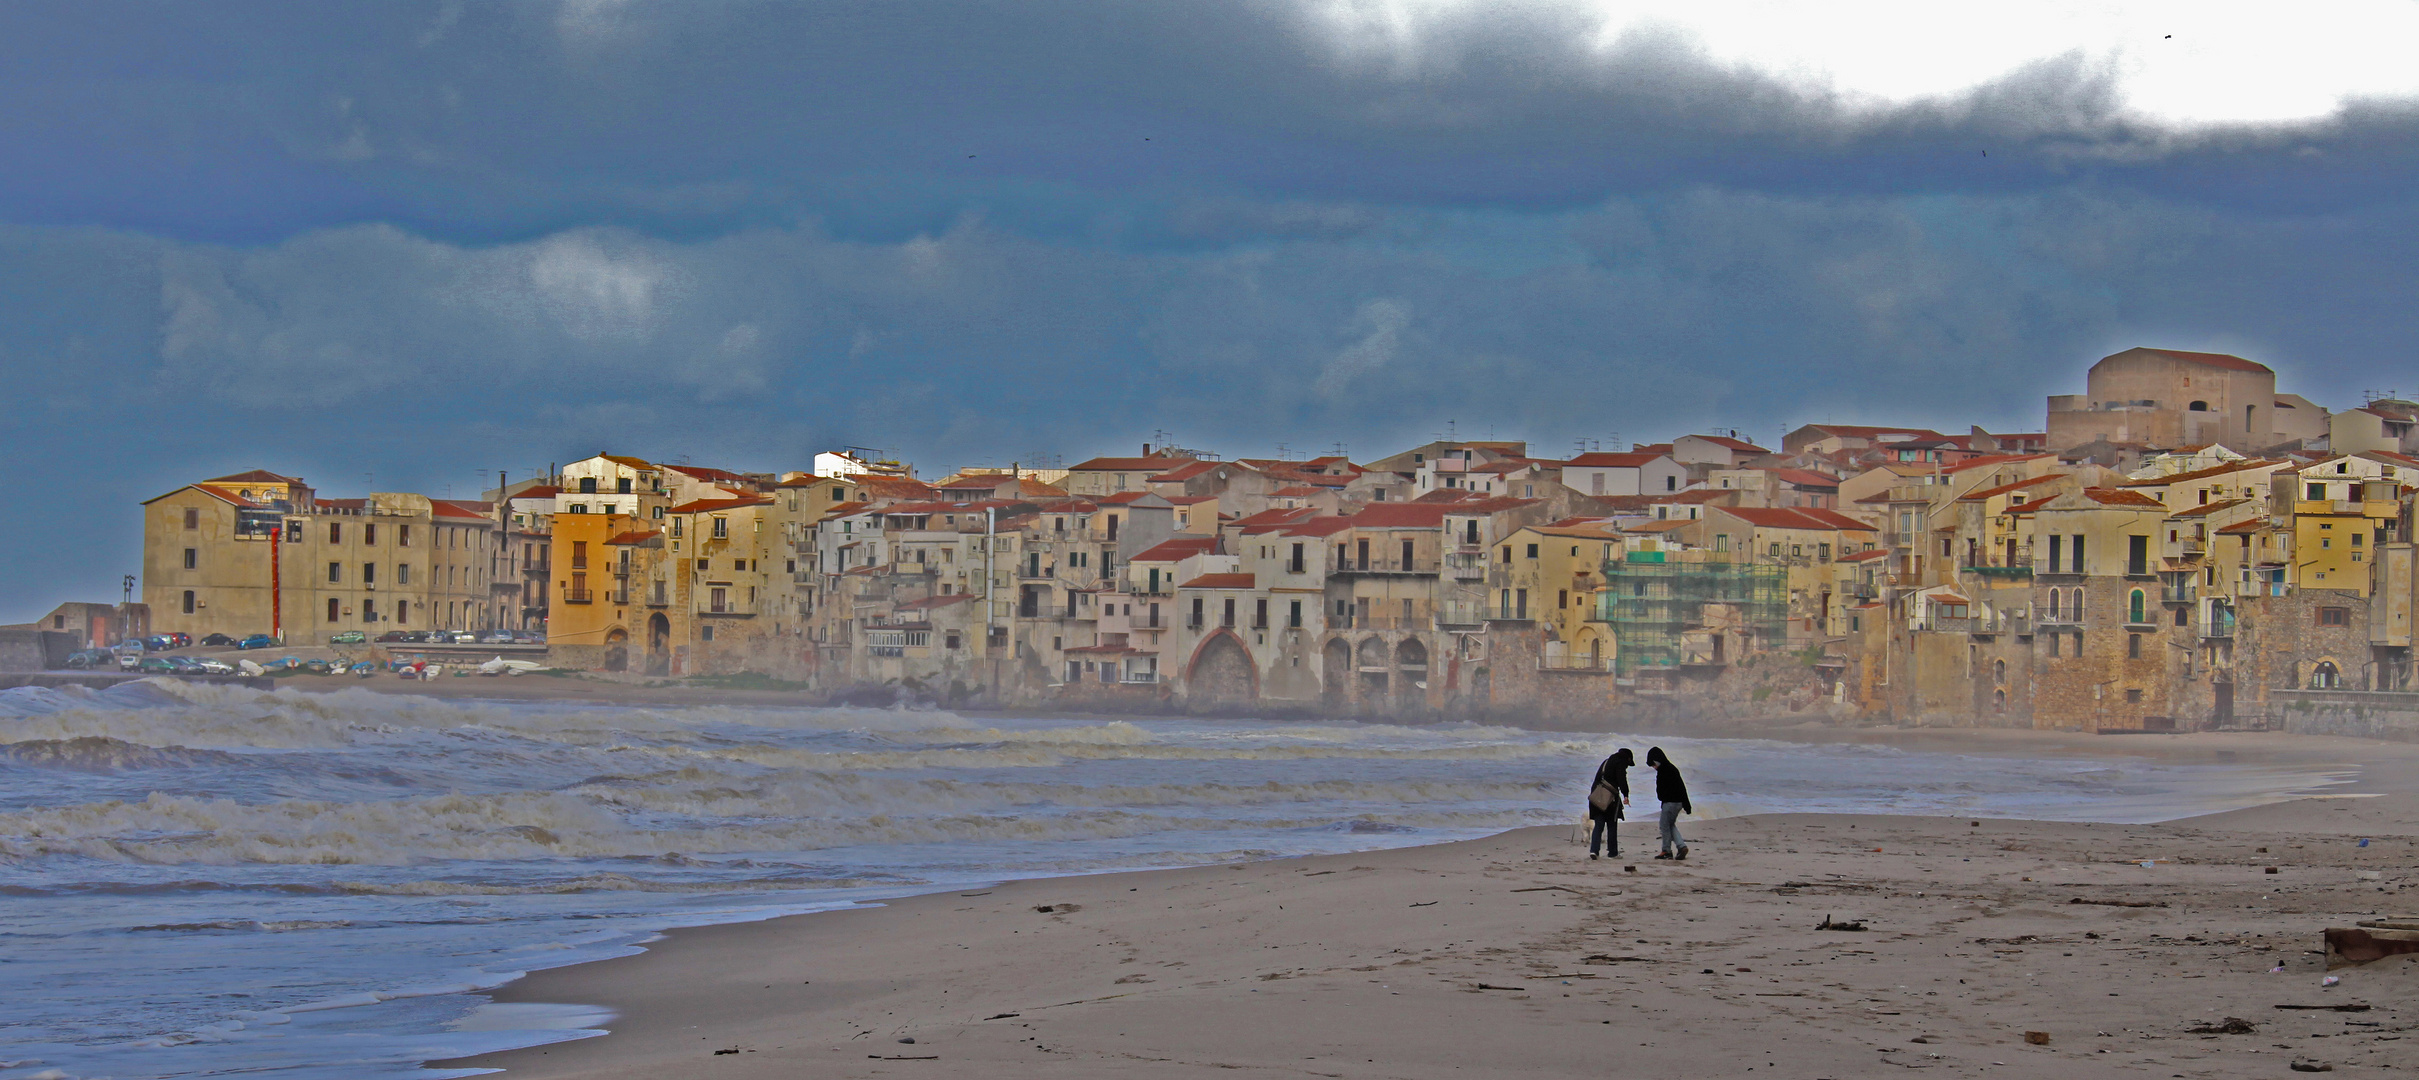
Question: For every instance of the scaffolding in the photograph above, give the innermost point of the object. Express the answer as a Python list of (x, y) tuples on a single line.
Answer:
[(1650, 602)]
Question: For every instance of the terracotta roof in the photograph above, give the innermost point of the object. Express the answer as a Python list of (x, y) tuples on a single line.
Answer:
[(1864, 556), (542, 491), (706, 505), (1317, 526), (1177, 550), (2251, 526), (1985, 493), (1189, 500), (705, 473), (1130, 464), (2206, 359), (1805, 478), (1123, 497), (1186, 471), (846, 509), (1658, 526), (2207, 509), (2202, 474), (919, 508), (1221, 581), (2029, 507), (893, 487), (809, 480), (1728, 443), (1398, 515), (1792, 517), (460, 510), (215, 493), (1855, 431), (2121, 497), (255, 476), (1609, 460)]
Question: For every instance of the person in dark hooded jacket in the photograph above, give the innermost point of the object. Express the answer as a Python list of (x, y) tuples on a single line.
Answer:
[(1672, 792), (1605, 798)]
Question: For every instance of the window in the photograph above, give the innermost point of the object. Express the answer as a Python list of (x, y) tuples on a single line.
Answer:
[(622, 485), (587, 485), (2315, 493), (2133, 697), (403, 535), (2133, 646), (722, 528), (1197, 617), (1532, 551), (1295, 565), (2135, 608), (335, 572), (369, 573), (844, 526), (369, 611), (403, 573), (1562, 599), (1259, 619), (188, 604), (1520, 606), (335, 532), (334, 611), (2053, 645), (369, 536), (2137, 555), (2334, 616), (1507, 553), (704, 565), (1294, 617), (1226, 614), (2057, 546), (193, 517), (192, 558), (1721, 542), (1407, 550)]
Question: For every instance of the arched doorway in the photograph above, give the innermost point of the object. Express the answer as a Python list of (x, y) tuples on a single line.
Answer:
[(659, 644), (1411, 670), (1335, 672), (1372, 661), (617, 649), (2326, 676), (1221, 673)]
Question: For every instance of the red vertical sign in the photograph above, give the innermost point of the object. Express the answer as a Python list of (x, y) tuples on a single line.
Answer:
[(277, 606)]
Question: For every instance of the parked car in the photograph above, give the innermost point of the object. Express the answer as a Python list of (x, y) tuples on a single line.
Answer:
[(349, 637), (129, 655), (393, 635), (155, 665), (496, 637), (464, 637), (179, 640), (258, 641), (217, 639), (211, 665), (532, 637), (89, 659)]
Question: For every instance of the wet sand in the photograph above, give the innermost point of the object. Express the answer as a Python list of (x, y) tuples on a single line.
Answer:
[(1516, 955)]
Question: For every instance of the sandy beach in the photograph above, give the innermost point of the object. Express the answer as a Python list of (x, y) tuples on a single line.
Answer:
[(1516, 955)]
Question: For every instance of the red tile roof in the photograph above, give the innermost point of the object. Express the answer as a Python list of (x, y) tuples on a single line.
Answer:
[(1805, 478), (711, 474), (255, 476), (1865, 556), (1178, 549), (2206, 509), (1275, 518), (1728, 443), (1988, 460), (707, 505), (542, 491), (1609, 460), (2251, 526), (2121, 497), (1321, 526), (1221, 581), (1186, 471), (1189, 500), (2202, 474), (460, 510), (1130, 464), (1985, 493)]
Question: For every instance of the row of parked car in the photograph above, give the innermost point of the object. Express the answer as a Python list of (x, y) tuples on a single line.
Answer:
[(127, 660), (450, 637)]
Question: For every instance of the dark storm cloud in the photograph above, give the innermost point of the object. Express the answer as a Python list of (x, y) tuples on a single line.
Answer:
[(412, 244)]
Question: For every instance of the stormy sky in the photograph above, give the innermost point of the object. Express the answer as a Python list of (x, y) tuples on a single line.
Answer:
[(407, 245)]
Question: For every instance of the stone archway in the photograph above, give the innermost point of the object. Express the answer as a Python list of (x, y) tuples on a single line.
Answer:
[(617, 649), (659, 644), (1372, 661), (1411, 671), (1221, 673), (1335, 673)]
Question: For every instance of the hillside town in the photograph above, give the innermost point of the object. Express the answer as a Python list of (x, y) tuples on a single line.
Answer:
[(2178, 546)]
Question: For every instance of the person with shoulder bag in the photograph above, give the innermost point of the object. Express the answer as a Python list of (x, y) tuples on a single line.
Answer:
[(1605, 798)]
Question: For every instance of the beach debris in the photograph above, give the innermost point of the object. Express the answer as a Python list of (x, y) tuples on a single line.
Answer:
[(1828, 924), (1316, 873), (1003, 1016), (2302, 1065), (2232, 1025), (2037, 1038), (2368, 875), (1602, 958), (2330, 980), (2356, 945), (2267, 869), (1429, 903), (2120, 903), (731, 1050), (2326, 1008), (1058, 909), (907, 1038), (2364, 841), (1548, 888), (2396, 922), (1492, 986), (1629, 869), (985, 892), (1917, 1039), (908, 1057)]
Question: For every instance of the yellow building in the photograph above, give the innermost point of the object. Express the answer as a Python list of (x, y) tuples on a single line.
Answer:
[(590, 621), (2343, 509), (1556, 571)]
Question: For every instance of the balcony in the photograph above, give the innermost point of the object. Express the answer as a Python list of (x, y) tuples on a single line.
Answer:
[(1862, 590), (2179, 594), (1460, 613), (1467, 565), (1385, 567), (1947, 624), (579, 596), (727, 608), (618, 596), (1578, 662)]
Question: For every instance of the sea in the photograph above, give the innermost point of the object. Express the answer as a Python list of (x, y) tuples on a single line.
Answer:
[(202, 881)]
